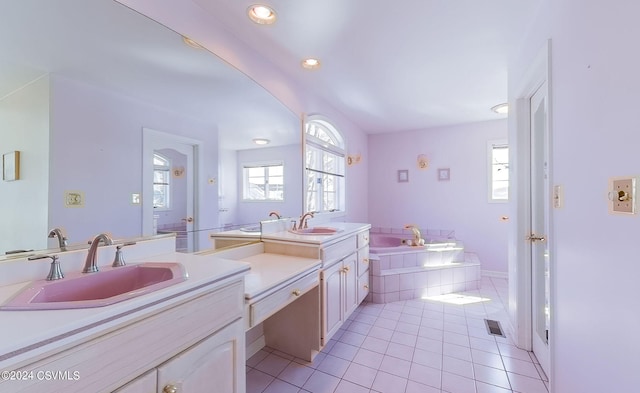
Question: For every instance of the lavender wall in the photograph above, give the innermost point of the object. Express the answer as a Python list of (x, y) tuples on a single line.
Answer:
[(595, 126), (24, 126), (291, 156), (96, 147), (460, 204)]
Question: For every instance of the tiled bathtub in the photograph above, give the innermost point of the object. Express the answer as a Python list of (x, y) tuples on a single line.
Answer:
[(400, 272)]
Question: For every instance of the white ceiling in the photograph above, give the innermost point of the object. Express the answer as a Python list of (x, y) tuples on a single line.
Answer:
[(391, 66), (407, 65)]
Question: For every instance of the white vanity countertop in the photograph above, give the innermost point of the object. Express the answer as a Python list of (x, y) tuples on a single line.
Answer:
[(344, 229), (236, 233), (26, 334), (271, 271)]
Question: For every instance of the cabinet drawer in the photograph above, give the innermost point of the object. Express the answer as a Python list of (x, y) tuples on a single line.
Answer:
[(363, 287), (339, 250), (363, 260), (363, 239), (264, 308)]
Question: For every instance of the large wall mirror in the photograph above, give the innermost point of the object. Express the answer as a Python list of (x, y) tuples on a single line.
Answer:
[(80, 81)]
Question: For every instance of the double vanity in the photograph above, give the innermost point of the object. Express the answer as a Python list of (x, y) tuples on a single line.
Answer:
[(177, 322)]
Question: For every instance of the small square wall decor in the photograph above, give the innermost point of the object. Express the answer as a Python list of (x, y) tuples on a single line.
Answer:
[(11, 166), (403, 176), (443, 174)]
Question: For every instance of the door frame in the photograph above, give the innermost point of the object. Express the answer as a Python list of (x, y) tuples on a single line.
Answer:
[(150, 139), (520, 273)]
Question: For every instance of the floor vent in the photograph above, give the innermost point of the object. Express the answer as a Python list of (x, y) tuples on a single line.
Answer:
[(494, 328)]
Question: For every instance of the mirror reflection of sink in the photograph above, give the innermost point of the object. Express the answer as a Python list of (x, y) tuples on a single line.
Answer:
[(108, 286), (315, 231), (251, 229)]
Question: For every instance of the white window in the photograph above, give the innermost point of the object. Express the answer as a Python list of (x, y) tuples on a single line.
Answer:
[(263, 182), (161, 182), (498, 171), (324, 167)]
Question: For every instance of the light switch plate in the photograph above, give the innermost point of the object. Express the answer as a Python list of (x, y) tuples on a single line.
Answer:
[(135, 199), (558, 196), (622, 195)]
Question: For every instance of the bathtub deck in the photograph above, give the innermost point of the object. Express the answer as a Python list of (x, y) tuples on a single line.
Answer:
[(395, 277)]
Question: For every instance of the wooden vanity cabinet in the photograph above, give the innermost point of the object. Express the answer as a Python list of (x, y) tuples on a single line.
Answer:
[(195, 345), (344, 281)]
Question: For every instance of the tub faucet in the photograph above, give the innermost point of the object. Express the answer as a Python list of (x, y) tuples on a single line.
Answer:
[(303, 220), (275, 214), (62, 238), (91, 263), (417, 237)]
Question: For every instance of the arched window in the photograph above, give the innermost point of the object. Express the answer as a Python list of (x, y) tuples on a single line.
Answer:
[(324, 167), (161, 182)]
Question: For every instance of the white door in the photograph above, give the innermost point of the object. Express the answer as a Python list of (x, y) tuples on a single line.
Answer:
[(179, 216), (540, 210)]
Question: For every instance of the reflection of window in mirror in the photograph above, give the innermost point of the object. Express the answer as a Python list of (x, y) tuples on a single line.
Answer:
[(161, 182), (498, 171), (263, 182), (324, 167)]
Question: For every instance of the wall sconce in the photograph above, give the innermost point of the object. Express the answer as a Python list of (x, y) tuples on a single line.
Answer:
[(423, 163), (353, 159)]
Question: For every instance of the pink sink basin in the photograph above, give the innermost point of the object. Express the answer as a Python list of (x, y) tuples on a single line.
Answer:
[(315, 231), (108, 286)]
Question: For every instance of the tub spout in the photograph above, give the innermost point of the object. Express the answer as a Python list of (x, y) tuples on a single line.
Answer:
[(417, 236)]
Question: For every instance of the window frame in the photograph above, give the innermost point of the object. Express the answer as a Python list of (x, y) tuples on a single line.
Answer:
[(492, 145), (164, 168), (336, 148), (245, 180)]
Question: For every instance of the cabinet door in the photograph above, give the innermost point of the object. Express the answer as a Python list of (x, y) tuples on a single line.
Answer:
[(332, 302), (363, 286), (143, 384), (350, 284), (212, 365)]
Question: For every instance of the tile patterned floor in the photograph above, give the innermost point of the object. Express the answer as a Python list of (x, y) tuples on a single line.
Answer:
[(415, 346)]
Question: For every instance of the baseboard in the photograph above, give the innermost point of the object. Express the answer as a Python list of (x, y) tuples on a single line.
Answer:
[(494, 274), (255, 346)]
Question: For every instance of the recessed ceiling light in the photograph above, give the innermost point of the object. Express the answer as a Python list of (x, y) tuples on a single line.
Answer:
[(311, 63), (502, 109), (261, 14), (191, 42), (261, 141)]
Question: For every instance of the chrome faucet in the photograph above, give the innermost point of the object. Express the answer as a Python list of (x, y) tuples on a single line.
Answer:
[(417, 237), (62, 238), (303, 220), (55, 273), (91, 263), (275, 214)]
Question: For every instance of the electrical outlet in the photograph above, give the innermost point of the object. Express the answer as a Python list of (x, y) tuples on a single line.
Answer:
[(622, 195), (74, 199)]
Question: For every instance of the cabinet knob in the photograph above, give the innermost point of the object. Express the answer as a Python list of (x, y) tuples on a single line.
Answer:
[(366, 286), (170, 389), (365, 260), (296, 292), (345, 269)]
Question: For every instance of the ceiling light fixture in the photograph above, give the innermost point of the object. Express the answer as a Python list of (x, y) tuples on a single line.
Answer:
[(261, 141), (261, 14), (501, 109), (311, 63), (191, 42)]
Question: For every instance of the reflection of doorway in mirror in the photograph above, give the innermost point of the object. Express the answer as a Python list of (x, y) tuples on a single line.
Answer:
[(11, 166)]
